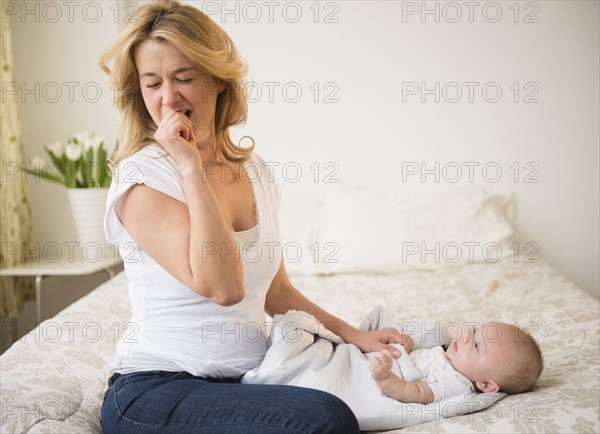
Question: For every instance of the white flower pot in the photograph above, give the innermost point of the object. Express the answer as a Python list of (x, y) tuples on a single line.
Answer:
[(88, 206)]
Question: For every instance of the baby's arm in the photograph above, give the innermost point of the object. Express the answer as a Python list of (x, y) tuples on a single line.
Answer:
[(394, 386)]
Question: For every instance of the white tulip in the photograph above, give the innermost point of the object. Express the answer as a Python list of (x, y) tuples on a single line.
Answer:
[(56, 148), (73, 151), (83, 136), (93, 142)]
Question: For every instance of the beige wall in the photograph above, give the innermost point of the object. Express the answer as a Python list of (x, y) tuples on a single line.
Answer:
[(364, 61)]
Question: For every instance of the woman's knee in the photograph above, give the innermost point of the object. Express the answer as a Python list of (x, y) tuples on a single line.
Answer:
[(332, 415)]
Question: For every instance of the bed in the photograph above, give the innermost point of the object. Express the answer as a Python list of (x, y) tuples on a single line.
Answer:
[(53, 379)]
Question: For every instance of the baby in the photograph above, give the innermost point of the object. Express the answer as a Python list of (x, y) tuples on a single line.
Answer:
[(495, 357)]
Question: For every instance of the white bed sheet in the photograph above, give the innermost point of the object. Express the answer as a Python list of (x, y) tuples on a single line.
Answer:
[(53, 379)]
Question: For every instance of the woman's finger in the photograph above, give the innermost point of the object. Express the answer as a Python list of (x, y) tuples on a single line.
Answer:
[(394, 353), (393, 335), (179, 124)]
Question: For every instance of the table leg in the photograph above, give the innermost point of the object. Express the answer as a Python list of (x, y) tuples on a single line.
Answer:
[(38, 297)]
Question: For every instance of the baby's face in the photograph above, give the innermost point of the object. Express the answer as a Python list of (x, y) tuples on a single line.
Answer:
[(480, 352)]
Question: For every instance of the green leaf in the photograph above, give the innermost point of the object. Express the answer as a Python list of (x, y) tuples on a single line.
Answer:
[(71, 168), (87, 168), (58, 163), (46, 176), (102, 169)]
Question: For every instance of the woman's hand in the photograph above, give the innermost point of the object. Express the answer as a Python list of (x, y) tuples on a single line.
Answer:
[(176, 134), (379, 340)]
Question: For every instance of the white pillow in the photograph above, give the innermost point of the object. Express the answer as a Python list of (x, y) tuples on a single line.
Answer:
[(299, 219), (371, 231)]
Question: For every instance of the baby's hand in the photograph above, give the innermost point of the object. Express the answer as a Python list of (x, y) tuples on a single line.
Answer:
[(381, 365)]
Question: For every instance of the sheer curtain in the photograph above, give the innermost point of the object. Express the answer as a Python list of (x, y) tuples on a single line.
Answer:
[(15, 211)]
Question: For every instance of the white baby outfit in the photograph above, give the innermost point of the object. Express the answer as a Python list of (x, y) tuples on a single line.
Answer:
[(172, 327), (444, 380)]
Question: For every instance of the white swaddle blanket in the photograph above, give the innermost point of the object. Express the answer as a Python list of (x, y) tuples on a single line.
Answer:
[(302, 352)]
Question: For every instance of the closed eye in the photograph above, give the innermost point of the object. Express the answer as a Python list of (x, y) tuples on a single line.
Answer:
[(184, 80), (152, 85)]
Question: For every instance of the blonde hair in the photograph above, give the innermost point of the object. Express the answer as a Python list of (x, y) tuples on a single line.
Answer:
[(207, 46), (525, 364)]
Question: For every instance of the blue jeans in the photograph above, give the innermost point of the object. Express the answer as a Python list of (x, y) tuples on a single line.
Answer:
[(178, 402)]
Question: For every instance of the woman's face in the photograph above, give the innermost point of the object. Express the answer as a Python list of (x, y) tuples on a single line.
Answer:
[(170, 81)]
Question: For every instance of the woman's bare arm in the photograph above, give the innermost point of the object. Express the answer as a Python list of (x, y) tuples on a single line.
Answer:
[(194, 243), (283, 296)]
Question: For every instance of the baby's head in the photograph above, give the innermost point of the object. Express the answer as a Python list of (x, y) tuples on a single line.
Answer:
[(497, 357)]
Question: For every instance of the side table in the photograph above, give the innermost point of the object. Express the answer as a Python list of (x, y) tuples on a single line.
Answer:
[(75, 266)]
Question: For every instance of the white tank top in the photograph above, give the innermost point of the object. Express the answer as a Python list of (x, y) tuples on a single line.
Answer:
[(173, 328)]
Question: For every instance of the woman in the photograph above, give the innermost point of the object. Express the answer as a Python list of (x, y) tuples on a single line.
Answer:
[(200, 243)]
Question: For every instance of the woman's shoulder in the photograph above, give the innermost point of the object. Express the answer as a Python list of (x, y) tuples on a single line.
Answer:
[(256, 161), (148, 161), (151, 155), (258, 168), (262, 172), (151, 150)]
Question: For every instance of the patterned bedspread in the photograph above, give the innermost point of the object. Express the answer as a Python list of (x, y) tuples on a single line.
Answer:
[(53, 379)]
